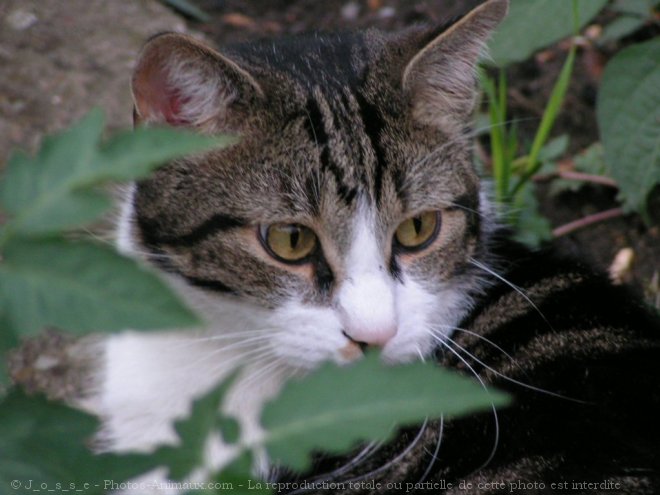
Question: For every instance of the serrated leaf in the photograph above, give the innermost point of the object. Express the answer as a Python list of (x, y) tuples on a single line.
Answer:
[(554, 148), (628, 113), (46, 443), (589, 161), (230, 428), (531, 228), (641, 8), (592, 160), (71, 211), (32, 186), (368, 399), (8, 340), (188, 9), (133, 154), (238, 475), (53, 191), (620, 27), (193, 433), (535, 24), (82, 286)]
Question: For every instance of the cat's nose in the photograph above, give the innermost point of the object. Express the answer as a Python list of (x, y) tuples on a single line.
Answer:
[(366, 308), (370, 337)]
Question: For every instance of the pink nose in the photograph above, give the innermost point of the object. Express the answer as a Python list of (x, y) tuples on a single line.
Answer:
[(371, 336)]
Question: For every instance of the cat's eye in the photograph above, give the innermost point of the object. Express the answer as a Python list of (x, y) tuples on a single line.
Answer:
[(416, 233), (288, 242)]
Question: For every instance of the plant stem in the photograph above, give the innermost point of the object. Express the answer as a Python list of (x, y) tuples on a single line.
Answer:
[(552, 108), (586, 221), (497, 115), (579, 176), (548, 120)]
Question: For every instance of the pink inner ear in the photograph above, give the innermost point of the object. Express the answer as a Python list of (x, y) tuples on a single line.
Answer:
[(173, 113), (157, 101)]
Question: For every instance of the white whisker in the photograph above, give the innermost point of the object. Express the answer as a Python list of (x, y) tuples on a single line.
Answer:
[(231, 361), (488, 341), (276, 364), (485, 268), (441, 340), (373, 447), (356, 461), (513, 380), (434, 455), (396, 459)]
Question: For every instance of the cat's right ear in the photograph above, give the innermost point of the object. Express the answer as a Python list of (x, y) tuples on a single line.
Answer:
[(180, 81), (441, 77)]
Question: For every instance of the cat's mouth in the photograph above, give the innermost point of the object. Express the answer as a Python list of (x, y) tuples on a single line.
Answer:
[(362, 346), (352, 351)]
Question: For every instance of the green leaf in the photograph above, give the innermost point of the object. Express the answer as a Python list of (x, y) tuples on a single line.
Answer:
[(133, 154), (550, 114), (230, 428), (620, 27), (32, 188), (46, 443), (188, 9), (531, 228), (237, 478), (535, 24), (368, 399), (8, 340), (589, 161), (54, 190), (82, 286), (628, 112), (592, 161), (553, 149), (641, 8), (193, 433)]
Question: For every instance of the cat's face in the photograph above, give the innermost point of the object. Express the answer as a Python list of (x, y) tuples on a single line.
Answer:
[(347, 215)]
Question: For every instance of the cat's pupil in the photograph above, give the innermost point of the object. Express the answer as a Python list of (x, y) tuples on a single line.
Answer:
[(294, 237), (417, 224), (288, 242)]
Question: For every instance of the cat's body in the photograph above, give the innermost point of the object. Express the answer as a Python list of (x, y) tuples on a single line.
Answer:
[(582, 364), (349, 215)]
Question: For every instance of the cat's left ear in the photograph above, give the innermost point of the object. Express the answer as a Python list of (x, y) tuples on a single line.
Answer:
[(182, 82), (440, 78)]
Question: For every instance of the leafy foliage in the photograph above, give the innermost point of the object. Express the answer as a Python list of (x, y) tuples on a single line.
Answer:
[(367, 400), (46, 278), (188, 9), (46, 443), (193, 434), (100, 289), (633, 14), (628, 114), (627, 111), (512, 173), (56, 190), (535, 24)]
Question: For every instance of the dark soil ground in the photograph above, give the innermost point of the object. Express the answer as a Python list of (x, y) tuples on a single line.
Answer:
[(530, 84)]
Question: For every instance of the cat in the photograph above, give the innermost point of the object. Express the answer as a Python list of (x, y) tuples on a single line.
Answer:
[(349, 216)]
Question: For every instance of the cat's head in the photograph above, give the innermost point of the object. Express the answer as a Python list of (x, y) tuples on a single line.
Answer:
[(349, 211)]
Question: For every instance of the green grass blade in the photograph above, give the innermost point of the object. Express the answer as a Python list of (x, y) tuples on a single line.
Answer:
[(497, 138), (548, 120)]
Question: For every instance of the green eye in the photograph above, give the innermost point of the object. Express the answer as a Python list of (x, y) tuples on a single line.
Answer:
[(288, 242), (417, 232)]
